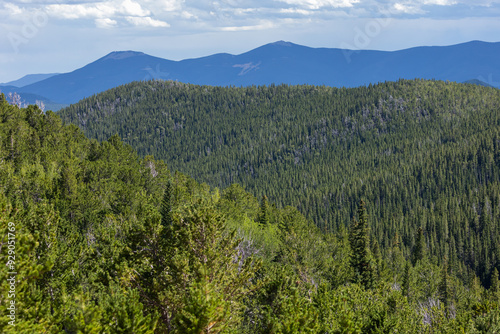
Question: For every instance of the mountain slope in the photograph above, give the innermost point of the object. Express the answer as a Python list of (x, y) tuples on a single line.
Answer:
[(30, 98), (106, 242), (412, 149), (115, 69), (277, 63), (28, 79)]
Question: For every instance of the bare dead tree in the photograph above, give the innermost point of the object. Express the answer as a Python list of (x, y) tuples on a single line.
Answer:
[(15, 99), (40, 105)]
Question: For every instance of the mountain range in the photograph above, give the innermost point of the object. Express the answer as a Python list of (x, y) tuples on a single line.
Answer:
[(28, 79), (274, 63)]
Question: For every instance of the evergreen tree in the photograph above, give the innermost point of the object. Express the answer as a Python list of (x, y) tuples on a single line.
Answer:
[(484, 220), (201, 259), (166, 205), (405, 287), (264, 212), (419, 248), (444, 288), (359, 241), (495, 286), (377, 260)]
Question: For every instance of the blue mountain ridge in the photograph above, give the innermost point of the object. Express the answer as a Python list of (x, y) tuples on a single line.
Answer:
[(277, 63), (28, 80)]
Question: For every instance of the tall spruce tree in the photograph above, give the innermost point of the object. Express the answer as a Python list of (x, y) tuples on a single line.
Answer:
[(444, 288), (419, 248), (264, 211), (359, 241), (495, 286)]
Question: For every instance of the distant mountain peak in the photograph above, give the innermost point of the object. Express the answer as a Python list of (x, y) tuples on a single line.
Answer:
[(283, 43), (29, 79), (122, 55)]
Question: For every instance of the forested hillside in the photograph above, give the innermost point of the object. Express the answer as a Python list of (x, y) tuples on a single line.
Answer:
[(95, 239), (423, 154)]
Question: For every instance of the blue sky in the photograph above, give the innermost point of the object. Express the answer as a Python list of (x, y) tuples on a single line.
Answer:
[(45, 36)]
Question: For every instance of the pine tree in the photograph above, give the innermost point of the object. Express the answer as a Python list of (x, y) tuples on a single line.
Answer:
[(264, 212), (166, 205), (203, 262), (396, 241), (495, 285), (484, 220), (405, 287), (377, 258), (444, 289), (360, 248), (419, 248)]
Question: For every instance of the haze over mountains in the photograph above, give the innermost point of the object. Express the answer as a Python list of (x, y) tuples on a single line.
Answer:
[(29, 79), (279, 62)]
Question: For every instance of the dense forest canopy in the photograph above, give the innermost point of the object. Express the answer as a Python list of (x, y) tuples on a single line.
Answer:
[(107, 241), (422, 154)]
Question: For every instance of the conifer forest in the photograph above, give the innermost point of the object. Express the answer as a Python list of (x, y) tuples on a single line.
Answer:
[(164, 207)]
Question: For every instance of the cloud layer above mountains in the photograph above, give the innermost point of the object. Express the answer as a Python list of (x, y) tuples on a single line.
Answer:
[(182, 28)]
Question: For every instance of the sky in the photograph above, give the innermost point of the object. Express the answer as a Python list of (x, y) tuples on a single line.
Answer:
[(49, 36)]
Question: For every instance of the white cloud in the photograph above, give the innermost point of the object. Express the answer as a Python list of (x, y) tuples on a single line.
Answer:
[(296, 11), (262, 26), (13, 9), (96, 10), (187, 15), (147, 22), (317, 4), (171, 5), (108, 14), (243, 11), (105, 23), (439, 2), (133, 8), (407, 9)]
